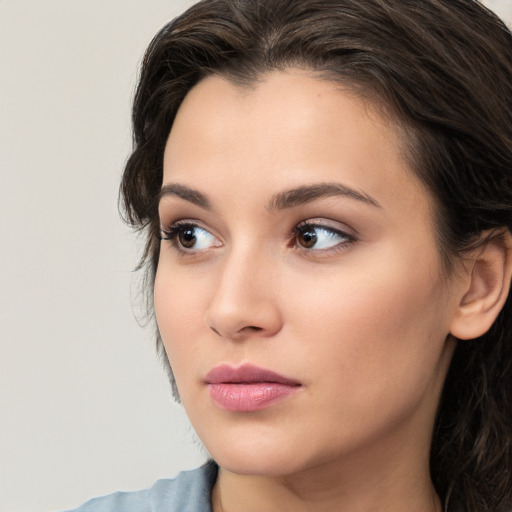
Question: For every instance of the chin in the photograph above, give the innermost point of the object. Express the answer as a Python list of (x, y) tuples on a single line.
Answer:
[(260, 465), (256, 456)]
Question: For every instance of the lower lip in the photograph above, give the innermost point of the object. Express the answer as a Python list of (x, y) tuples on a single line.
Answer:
[(247, 397)]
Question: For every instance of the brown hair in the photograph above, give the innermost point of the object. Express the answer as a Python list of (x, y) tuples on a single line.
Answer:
[(444, 68)]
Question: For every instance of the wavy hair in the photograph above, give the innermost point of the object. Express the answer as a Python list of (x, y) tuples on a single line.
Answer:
[(443, 68)]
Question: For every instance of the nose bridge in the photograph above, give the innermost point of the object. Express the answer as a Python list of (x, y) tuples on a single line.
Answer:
[(243, 302)]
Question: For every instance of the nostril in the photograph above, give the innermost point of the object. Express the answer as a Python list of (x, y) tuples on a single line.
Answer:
[(238, 322), (215, 331), (246, 329)]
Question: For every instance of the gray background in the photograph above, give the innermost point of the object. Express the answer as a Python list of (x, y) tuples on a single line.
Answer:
[(85, 407)]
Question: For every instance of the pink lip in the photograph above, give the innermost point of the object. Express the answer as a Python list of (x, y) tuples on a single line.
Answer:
[(248, 387)]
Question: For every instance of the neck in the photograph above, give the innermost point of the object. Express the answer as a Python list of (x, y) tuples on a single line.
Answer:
[(316, 490), (386, 477)]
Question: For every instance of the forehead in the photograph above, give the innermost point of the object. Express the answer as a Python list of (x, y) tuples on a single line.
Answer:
[(285, 130)]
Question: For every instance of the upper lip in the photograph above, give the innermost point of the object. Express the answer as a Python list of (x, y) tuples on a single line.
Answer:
[(247, 373)]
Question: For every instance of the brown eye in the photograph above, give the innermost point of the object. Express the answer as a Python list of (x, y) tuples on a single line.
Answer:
[(319, 237), (190, 238), (186, 237), (307, 237)]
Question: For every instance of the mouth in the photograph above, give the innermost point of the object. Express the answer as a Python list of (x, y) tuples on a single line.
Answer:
[(248, 388)]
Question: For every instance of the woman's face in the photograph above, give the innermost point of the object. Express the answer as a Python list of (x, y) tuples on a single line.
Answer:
[(299, 292)]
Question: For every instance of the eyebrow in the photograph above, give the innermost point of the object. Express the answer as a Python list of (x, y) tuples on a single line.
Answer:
[(185, 193), (308, 193), (280, 201)]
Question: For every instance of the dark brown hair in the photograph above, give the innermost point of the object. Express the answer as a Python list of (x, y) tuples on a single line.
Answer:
[(444, 69)]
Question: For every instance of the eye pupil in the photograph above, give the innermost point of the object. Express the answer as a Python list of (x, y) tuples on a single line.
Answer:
[(187, 238), (308, 238)]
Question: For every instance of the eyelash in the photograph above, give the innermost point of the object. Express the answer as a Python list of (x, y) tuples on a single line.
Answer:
[(173, 230), (302, 227), (172, 233)]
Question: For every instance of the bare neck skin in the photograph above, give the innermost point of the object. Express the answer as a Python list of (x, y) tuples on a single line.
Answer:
[(249, 494)]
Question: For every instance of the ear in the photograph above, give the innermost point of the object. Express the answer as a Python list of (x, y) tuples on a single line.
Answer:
[(487, 284)]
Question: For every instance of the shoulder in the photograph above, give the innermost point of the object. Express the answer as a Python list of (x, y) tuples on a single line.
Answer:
[(190, 491)]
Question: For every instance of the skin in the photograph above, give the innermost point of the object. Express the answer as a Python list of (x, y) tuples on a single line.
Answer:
[(362, 322)]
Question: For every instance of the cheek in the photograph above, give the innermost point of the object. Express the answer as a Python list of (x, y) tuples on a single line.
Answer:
[(375, 334), (179, 309)]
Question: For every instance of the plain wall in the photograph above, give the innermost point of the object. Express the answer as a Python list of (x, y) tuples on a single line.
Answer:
[(85, 407)]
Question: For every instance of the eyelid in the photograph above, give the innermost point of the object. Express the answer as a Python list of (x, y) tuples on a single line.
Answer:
[(183, 222), (336, 226), (346, 234), (172, 232)]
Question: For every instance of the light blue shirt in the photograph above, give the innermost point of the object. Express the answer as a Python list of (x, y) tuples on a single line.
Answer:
[(190, 491)]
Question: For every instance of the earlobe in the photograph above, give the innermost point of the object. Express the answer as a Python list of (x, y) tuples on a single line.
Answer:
[(487, 287)]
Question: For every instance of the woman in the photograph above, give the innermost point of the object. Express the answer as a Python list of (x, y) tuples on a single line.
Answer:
[(326, 190)]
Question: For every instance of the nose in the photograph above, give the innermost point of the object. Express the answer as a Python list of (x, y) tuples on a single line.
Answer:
[(245, 302)]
